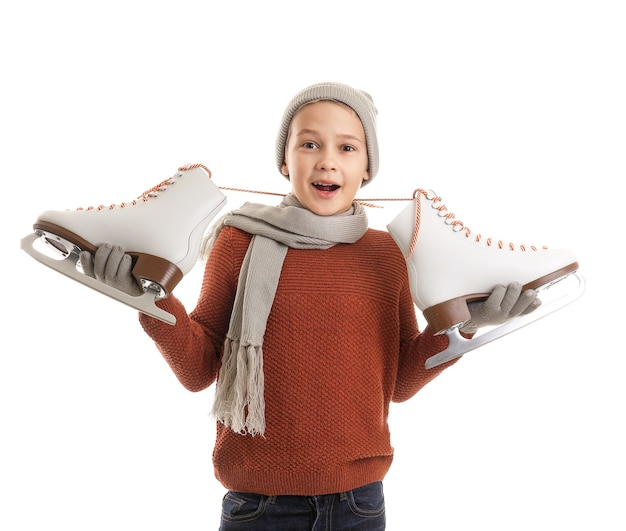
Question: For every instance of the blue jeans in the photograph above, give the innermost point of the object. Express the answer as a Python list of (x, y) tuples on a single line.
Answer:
[(361, 509)]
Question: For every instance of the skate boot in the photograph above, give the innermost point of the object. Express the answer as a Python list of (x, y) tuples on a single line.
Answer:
[(162, 230), (449, 266)]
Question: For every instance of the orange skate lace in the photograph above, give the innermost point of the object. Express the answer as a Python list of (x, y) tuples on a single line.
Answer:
[(456, 225), (364, 202), (151, 192)]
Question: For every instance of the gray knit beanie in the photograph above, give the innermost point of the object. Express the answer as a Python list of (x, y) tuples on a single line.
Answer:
[(361, 102)]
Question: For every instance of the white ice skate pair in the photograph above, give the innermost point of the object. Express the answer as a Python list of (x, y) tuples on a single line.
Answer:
[(162, 230), (449, 266)]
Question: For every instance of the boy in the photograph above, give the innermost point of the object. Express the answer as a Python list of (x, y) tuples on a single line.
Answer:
[(306, 322)]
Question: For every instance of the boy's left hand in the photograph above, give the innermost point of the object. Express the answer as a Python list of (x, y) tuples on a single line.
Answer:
[(504, 303)]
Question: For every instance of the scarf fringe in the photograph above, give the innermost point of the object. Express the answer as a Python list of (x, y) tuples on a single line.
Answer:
[(239, 398)]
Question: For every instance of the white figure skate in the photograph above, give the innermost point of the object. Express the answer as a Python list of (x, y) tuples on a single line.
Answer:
[(450, 266), (162, 230)]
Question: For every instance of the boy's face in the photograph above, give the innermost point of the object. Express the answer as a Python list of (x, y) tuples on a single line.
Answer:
[(326, 157)]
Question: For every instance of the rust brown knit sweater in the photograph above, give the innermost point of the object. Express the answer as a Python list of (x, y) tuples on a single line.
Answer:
[(341, 342)]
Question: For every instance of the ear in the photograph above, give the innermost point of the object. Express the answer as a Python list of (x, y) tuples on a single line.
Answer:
[(366, 176), (284, 169)]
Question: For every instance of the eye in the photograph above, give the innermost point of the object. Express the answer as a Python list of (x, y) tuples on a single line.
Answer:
[(348, 148), (309, 145)]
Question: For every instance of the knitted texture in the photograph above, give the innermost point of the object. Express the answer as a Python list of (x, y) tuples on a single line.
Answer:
[(341, 343)]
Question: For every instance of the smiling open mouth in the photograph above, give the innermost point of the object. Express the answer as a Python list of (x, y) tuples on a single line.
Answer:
[(325, 187)]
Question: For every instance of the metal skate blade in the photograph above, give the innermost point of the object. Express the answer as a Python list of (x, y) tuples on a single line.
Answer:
[(68, 267), (459, 345)]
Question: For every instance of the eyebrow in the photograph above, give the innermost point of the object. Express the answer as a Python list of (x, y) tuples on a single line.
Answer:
[(347, 136)]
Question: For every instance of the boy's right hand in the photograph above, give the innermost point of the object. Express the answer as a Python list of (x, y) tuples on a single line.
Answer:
[(112, 266)]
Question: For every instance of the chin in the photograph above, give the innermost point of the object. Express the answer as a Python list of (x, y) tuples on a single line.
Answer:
[(324, 207), (329, 210)]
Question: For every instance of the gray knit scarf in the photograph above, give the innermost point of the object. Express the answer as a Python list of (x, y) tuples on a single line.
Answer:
[(239, 400)]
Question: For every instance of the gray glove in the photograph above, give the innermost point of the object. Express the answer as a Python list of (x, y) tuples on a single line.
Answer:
[(112, 266), (502, 305)]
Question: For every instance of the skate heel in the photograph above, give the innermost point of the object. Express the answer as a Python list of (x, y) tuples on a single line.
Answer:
[(155, 274), (449, 314), (449, 266)]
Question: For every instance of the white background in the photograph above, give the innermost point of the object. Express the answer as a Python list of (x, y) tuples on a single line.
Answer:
[(513, 112)]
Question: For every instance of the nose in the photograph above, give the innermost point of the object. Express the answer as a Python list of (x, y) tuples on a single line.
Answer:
[(327, 160)]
